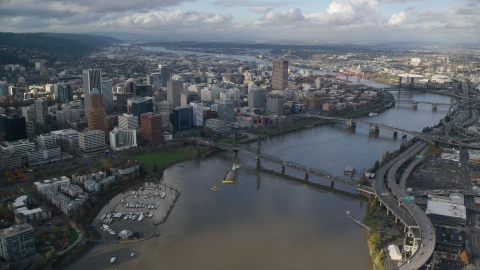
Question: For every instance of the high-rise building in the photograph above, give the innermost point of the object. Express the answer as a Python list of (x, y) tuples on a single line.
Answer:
[(155, 80), (165, 72), (225, 110), (182, 118), (29, 113), (174, 88), (159, 96), (107, 93), (257, 98), (41, 108), (3, 89), (137, 106), (122, 139), (130, 87), (280, 75), (151, 127), (165, 108), (96, 114), (128, 121), (91, 79), (197, 113), (15, 127), (17, 242), (188, 96), (275, 104), (63, 92), (91, 142)]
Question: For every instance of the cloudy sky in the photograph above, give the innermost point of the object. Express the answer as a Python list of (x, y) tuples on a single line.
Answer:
[(446, 21)]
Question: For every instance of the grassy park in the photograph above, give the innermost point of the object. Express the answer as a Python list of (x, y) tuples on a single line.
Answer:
[(164, 157), (73, 236)]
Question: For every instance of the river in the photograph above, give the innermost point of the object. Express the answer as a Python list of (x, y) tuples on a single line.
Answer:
[(267, 220)]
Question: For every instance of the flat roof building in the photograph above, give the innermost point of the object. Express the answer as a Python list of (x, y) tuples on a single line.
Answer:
[(446, 213), (17, 242)]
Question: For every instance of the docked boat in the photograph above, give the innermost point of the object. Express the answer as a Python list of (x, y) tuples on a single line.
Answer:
[(113, 258), (230, 176), (141, 217), (372, 114), (103, 217), (133, 254)]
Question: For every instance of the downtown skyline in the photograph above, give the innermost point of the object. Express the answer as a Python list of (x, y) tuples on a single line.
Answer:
[(323, 21)]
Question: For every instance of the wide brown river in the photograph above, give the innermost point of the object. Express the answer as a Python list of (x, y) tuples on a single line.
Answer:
[(267, 220)]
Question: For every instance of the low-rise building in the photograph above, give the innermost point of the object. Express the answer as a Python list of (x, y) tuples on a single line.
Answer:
[(91, 186)]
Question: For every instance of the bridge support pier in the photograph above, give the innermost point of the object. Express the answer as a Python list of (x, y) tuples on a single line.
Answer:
[(350, 123), (235, 152), (258, 161), (373, 128), (332, 183), (388, 211), (306, 177), (395, 134), (283, 170), (415, 104), (434, 106)]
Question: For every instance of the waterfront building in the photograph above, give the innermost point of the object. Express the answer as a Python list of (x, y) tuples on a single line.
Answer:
[(128, 121), (122, 139), (17, 242), (174, 88), (151, 127), (15, 127), (280, 75), (96, 114), (275, 104), (42, 111), (182, 118), (91, 79), (91, 143)]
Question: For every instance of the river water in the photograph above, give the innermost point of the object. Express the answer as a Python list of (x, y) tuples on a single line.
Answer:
[(267, 220)]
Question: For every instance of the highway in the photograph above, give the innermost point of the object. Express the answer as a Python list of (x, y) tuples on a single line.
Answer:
[(415, 218)]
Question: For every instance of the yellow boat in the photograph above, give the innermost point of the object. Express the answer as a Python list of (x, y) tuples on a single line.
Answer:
[(215, 188)]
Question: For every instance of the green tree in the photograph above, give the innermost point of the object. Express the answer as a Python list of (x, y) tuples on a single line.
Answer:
[(376, 166), (51, 254), (155, 168)]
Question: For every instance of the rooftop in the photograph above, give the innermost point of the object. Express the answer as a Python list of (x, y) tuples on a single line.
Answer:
[(15, 230), (446, 209)]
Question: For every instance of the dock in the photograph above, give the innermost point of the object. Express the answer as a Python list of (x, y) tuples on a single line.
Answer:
[(356, 221)]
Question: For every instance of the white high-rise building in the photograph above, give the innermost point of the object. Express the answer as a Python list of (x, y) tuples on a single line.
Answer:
[(128, 121), (122, 139), (17, 242), (41, 108), (197, 113), (155, 79)]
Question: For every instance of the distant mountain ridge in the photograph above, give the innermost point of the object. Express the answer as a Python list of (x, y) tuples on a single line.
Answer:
[(57, 42)]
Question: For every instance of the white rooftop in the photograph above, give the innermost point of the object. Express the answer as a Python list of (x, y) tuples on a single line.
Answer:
[(446, 209), (19, 201), (410, 75)]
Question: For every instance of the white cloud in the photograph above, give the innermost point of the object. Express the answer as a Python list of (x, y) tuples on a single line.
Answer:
[(254, 6), (397, 18), (286, 15)]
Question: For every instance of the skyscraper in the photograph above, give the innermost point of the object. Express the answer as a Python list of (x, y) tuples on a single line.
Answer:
[(129, 87), (3, 89), (280, 75), (174, 89), (257, 98), (15, 127), (96, 114), (151, 127), (155, 80), (63, 92), (41, 108), (165, 73), (107, 93), (91, 79), (225, 110)]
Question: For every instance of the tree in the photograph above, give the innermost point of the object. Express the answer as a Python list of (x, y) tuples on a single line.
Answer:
[(155, 168), (377, 165), (106, 164), (51, 254), (464, 258), (363, 180)]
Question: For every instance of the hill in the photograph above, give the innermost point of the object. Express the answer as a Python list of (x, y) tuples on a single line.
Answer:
[(57, 42)]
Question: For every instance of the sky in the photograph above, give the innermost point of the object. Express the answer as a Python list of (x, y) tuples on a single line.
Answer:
[(426, 21)]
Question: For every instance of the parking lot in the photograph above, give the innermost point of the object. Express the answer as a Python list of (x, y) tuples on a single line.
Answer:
[(436, 173)]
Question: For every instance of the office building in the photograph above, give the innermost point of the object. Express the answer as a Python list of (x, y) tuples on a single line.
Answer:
[(96, 114), (143, 90), (63, 93), (197, 113), (275, 104), (107, 94), (130, 87), (225, 110), (2, 120), (151, 127), (174, 89), (165, 73), (165, 108), (122, 139), (138, 106), (280, 75), (91, 142), (30, 129), (15, 127), (159, 96), (42, 111), (155, 80), (182, 118), (257, 98), (188, 96), (128, 121), (3, 89), (91, 79), (120, 102), (17, 242)]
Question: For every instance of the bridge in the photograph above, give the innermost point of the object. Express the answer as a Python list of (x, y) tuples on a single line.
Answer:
[(344, 180), (415, 103)]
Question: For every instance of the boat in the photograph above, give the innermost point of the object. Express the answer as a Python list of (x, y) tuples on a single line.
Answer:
[(133, 254), (163, 195), (215, 187), (113, 258), (103, 216), (372, 114), (230, 176)]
